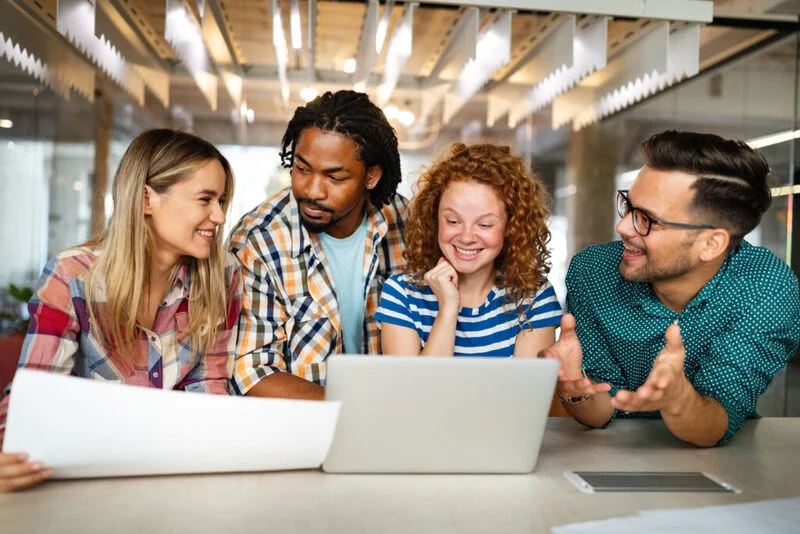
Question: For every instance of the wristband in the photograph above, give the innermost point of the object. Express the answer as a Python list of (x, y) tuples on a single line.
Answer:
[(572, 400)]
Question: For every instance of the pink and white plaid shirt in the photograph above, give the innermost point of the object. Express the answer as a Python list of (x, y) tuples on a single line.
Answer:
[(61, 340)]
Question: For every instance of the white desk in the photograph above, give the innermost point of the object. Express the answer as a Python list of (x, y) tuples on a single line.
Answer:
[(761, 460)]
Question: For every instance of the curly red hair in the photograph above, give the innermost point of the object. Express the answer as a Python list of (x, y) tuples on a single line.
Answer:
[(522, 265)]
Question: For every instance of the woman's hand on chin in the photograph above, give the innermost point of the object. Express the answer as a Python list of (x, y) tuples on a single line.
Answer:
[(443, 281)]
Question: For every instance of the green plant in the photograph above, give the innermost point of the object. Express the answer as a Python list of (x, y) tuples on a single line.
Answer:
[(17, 318)]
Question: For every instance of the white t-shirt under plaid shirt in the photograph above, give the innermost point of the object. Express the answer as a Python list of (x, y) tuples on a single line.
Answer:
[(291, 319), (489, 330)]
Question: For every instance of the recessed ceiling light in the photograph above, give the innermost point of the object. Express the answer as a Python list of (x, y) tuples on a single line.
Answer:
[(391, 112), (6, 123), (350, 66), (406, 118), (308, 94)]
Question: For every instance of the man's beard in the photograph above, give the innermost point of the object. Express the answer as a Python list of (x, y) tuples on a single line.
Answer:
[(650, 274), (681, 265), (314, 226)]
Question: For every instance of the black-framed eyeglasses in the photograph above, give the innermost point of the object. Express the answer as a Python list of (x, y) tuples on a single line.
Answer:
[(643, 223)]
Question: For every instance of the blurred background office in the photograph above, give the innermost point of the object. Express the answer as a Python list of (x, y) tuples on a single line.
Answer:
[(575, 92)]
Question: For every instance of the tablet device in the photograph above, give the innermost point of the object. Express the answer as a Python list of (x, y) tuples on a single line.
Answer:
[(597, 481)]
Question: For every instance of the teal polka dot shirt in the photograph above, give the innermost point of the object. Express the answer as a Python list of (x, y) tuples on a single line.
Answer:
[(739, 331)]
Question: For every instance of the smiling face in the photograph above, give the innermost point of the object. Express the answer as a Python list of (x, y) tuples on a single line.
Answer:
[(185, 217), (472, 226), (666, 253), (330, 183)]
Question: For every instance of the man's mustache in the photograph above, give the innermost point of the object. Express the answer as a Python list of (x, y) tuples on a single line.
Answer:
[(314, 203)]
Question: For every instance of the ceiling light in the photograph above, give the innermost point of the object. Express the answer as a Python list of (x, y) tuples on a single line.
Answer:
[(383, 25), (758, 142), (380, 36), (294, 23), (397, 55), (350, 66), (6, 123), (406, 118), (308, 94), (391, 112)]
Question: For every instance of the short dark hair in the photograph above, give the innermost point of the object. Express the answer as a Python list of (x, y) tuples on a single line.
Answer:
[(351, 114), (731, 191)]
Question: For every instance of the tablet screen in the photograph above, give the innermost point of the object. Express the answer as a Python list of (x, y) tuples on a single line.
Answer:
[(648, 481)]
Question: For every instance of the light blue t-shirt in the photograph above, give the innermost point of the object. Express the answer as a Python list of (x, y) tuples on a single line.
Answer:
[(346, 259)]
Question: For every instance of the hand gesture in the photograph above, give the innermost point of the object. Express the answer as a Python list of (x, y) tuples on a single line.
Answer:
[(17, 473), (567, 350), (667, 384), (443, 281)]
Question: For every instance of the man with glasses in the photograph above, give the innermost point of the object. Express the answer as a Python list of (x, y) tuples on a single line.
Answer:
[(682, 318)]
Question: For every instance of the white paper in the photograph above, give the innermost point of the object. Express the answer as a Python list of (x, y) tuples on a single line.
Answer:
[(89, 428), (781, 515)]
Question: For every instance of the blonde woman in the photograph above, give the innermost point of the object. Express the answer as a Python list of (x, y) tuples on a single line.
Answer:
[(154, 300)]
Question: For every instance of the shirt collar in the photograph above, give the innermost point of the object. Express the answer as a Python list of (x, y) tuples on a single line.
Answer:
[(182, 276), (725, 272)]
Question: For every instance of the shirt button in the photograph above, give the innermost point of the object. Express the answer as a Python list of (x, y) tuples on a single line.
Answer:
[(155, 374), (153, 339)]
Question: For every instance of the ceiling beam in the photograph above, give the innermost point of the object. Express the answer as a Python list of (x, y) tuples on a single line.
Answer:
[(680, 10), (226, 32), (312, 41), (366, 46)]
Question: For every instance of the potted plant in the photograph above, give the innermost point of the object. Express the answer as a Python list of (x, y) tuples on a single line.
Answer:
[(14, 321)]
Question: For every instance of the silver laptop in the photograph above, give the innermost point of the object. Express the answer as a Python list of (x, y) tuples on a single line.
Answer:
[(438, 415)]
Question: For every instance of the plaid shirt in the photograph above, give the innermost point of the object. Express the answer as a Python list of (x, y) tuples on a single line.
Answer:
[(60, 339), (290, 318)]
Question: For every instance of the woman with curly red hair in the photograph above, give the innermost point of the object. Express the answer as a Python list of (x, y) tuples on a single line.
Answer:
[(476, 249)]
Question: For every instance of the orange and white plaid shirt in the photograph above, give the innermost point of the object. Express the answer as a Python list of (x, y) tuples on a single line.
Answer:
[(290, 319)]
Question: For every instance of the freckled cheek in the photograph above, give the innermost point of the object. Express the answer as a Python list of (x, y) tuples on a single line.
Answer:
[(446, 235), (493, 238)]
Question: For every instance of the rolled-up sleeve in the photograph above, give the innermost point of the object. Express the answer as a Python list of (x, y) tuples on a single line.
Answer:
[(52, 339), (743, 360), (262, 335), (598, 363)]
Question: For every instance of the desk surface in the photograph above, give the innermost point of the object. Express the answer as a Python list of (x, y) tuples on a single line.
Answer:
[(761, 460)]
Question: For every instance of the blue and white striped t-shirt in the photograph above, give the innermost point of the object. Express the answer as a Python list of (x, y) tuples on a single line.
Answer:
[(490, 330)]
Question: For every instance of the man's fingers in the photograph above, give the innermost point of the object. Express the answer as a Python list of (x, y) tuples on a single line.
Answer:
[(567, 324), (673, 338), (621, 400), (662, 375), (581, 386)]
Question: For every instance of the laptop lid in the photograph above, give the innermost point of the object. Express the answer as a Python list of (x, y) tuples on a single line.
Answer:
[(438, 415)]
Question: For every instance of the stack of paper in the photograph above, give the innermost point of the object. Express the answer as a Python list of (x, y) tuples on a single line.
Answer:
[(781, 515), (88, 428)]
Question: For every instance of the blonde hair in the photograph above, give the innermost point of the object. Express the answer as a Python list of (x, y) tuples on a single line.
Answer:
[(160, 159)]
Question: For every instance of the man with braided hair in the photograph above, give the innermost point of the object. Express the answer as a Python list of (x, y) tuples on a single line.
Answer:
[(682, 319), (314, 257)]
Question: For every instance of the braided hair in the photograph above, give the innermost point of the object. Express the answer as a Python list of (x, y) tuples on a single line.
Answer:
[(351, 114)]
